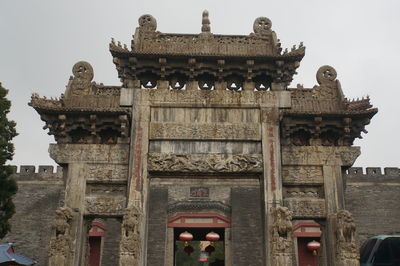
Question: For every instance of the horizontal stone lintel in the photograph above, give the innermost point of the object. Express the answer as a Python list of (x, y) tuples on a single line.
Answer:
[(90, 153), (105, 205), (205, 131), (216, 98), (319, 155)]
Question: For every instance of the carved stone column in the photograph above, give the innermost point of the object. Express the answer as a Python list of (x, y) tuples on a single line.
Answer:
[(130, 245), (137, 181), (272, 169)]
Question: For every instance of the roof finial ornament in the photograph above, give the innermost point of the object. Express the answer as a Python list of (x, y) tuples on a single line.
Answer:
[(205, 28), (147, 23), (262, 26)]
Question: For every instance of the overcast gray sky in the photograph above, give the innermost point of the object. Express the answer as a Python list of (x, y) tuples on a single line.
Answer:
[(41, 41)]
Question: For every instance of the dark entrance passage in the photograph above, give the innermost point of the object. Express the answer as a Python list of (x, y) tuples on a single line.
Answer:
[(199, 256)]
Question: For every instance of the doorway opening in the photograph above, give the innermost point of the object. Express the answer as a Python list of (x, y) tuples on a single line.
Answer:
[(202, 251)]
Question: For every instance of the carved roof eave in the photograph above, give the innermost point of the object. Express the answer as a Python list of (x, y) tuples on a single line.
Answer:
[(296, 55), (339, 113), (43, 108)]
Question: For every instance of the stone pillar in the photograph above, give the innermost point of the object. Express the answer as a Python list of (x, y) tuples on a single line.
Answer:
[(137, 181), (271, 158), (80, 162)]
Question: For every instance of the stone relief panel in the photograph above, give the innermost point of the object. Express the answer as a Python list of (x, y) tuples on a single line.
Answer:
[(217, 98), (204, 163), (108, 172), (302, 175), (306, 207), (205, 131), (87, 153), (105, 205), (303, 192), (319, 155)]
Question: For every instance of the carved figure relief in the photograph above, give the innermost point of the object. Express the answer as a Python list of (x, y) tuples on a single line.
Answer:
[(204, 163), (346, 245), (281, 236), (60, 241), (130, 245), (81, 83)]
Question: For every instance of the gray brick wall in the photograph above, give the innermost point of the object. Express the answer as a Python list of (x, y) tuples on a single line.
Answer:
[(373, 198), (157, 226), (111, 242), (31, 224), (247, 233)]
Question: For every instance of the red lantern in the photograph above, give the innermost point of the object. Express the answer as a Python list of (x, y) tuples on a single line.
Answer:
[(186, 236), (209, 249), (212, 237), (313, 246), (188, 249)]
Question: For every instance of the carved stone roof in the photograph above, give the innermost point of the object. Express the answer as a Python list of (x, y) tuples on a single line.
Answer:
[(327, 98), (262, 42)]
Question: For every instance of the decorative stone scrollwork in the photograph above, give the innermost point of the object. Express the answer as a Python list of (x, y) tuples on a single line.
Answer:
[(81, 83), (326, 75), (329, 88), (60, 241), (210, 163), (306, 207), (130, 245), (347, 249), (281, 236), (147, 23), (262, 26)]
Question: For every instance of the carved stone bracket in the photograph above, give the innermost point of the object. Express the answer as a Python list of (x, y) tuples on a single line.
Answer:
[(306, 207), (220, 131), (281, 236), (319, 155), (130, 245), (61, 249), (89, 153), (205, 163), (105, 205), (346, 244)]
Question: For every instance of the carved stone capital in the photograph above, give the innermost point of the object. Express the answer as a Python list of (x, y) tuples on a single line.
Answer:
[(205, 163)]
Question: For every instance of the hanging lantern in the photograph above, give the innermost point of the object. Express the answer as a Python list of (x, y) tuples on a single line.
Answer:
[(313, 246), (209, 249), (212, 237), (188, 249), (186, 236)]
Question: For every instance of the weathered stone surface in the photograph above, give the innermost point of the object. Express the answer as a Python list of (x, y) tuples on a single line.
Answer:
[(189, 163), (89, 153), (306, 207), (105, 205), (296, 175), (319, 155), (107, 172)]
